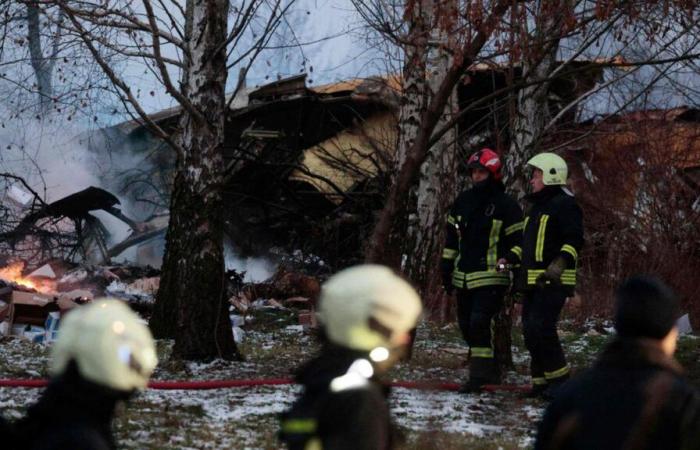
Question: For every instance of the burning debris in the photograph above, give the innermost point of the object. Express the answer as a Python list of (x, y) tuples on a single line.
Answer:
[(31, 305), (32, 302), (37, 281)]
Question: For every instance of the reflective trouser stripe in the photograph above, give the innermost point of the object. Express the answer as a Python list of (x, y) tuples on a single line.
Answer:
[(539, 248), (539, 380), (557, 373), (482, 352), (299, 426)]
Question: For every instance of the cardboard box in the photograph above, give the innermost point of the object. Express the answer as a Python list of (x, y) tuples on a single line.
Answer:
[(32, 307), (31, 298)]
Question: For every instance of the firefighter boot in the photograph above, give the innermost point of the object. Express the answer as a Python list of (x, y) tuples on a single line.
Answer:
[(483, 371), (553, 387)]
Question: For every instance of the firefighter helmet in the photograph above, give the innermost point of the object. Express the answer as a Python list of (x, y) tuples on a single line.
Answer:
[(553, 167), (109, 343), (368, 306), (488, 160)]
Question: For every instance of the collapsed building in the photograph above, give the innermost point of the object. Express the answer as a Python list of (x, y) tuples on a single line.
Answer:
[(306, 167)]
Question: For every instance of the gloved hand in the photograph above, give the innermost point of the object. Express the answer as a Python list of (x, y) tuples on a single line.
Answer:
[(518, 297), (447, 282), (446, 268), (553, 272)]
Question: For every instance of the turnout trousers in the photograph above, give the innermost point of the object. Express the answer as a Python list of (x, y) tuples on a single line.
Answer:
[(476, 310), (541, 309)]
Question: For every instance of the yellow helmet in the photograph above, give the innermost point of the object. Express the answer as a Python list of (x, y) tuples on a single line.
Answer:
[(109, 343), (354, 298), (553, 167)]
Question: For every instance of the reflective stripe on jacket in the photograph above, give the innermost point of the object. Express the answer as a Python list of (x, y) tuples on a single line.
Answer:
[(553, 227), (484, 224)]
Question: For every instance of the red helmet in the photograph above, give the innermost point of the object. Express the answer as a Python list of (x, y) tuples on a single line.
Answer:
[(488, 160)]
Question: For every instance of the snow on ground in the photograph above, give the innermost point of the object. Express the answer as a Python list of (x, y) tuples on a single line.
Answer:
[(246, 418)]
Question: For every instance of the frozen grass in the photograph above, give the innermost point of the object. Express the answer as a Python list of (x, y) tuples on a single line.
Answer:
[(247, 418)]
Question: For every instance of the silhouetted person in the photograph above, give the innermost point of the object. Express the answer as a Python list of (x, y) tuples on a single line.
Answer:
[(635, 396)]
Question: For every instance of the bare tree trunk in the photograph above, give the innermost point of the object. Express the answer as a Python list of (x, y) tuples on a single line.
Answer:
[(435, 190), (395, 205), (413, 104), (532, 112), (191, 304)]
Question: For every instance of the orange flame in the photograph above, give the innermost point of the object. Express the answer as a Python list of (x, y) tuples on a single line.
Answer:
[(13, 273)]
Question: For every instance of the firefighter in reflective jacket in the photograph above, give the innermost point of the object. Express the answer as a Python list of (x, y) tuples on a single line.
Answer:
[(552, 240), (484, 224), (366, 315)]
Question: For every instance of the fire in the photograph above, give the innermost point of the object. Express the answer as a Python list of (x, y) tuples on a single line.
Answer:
[(13, 273)]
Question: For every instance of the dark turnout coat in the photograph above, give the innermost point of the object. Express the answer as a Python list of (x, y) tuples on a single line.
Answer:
[(553, 227), (483, 225), (633, 398), (352, 418)]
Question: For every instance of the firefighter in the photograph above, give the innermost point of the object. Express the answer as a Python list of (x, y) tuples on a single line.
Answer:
[(366, 314), (103, 354), (635, 396), (483, 225), (551, 242)]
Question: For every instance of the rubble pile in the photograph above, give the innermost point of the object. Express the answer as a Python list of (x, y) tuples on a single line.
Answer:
[(32, 302), (290, 293)]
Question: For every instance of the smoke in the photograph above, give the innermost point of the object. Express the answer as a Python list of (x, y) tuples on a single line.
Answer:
[(49, 157), (257, 269), (55, 161)]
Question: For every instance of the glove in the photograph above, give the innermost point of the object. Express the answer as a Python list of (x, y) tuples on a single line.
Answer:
[(553, 273), (518, 298), (446, 268)]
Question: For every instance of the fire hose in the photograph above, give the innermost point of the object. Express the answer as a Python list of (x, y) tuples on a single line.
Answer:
[(227, 384)]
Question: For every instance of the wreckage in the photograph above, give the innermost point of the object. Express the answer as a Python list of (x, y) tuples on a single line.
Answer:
[(66, 229)]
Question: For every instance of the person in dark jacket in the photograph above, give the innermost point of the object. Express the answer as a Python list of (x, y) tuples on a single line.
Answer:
[(552, 239), (483, 225), (103, 354), (635, 396), (366, 313)]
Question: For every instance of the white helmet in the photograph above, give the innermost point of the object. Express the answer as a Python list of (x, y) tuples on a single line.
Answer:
[(354, 298), (109, 343), (553, 167)]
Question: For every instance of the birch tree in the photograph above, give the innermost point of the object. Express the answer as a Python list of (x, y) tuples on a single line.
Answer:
[(189, 47)]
